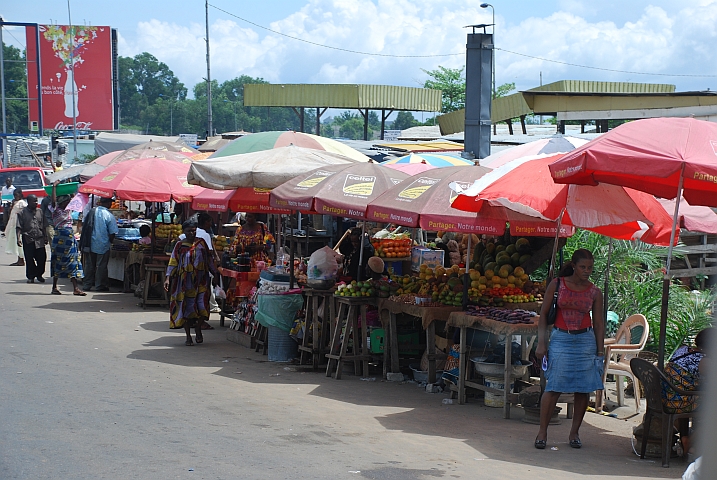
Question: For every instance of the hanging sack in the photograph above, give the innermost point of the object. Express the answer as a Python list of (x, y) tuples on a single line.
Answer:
[(553, 312)]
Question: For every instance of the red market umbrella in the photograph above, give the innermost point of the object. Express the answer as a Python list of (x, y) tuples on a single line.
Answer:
[(338, 190), (178, 147), (145, 179), (526, 186), (667, 157), (425, 201), (119, 157), (246, 199)]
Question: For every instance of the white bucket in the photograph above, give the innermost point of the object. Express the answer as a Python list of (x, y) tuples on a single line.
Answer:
[(491, 399)]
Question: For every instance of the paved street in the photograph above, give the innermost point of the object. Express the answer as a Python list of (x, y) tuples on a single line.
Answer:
[(97, 388)]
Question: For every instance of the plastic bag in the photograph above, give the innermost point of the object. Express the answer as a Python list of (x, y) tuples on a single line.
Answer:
[(219, 293), (323, 265), (282, 259)]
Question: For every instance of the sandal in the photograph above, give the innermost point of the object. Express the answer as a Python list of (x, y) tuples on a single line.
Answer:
[(199, 338), (189, 343), (56, 292), (79, 293), (576, 443), (540, 444)]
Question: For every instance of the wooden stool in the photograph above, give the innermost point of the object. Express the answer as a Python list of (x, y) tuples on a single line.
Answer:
[(154, 273), (320, 328), (260, 340), (349, 310)]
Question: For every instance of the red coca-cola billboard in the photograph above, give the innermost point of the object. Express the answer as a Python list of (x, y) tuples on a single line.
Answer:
[(89, 50)]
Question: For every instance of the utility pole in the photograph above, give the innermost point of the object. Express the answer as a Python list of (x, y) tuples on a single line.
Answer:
[(209, 76), (2, 94)]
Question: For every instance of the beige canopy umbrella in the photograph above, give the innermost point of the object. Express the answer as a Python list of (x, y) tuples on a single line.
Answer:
[(263, 169)]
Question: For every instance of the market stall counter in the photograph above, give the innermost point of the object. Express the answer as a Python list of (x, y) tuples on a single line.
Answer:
[(428, 316), (464, 320)]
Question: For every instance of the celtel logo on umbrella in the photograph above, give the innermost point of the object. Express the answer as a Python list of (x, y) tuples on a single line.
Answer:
[(110, 177), (313, 180), (417, 188), (359, 185)]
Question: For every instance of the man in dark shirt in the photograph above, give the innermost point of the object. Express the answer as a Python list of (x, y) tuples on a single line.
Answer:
[(32, 237), (45, 207)]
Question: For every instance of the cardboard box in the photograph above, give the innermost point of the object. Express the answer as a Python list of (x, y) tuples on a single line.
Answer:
[(426, 256)]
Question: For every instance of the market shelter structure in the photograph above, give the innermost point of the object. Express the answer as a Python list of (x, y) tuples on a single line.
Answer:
[(363, 98)]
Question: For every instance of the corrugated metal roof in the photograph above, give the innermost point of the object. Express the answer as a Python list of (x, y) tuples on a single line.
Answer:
[(373, 97), (589, 86), (453, 122), (510, 106)]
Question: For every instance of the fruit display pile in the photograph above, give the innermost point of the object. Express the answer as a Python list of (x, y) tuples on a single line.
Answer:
[(168, 230), (393, 246), (504, 315), (220, 243), (368, 288)]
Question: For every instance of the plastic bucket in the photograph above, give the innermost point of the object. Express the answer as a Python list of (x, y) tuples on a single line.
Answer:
[(491, 399), (281, 347)]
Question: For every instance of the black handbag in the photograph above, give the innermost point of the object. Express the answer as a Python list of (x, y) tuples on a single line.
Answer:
[(553, 312)]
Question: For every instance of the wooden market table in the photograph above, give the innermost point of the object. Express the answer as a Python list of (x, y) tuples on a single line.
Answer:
[(353, 307), (464, 321), (428, 315)]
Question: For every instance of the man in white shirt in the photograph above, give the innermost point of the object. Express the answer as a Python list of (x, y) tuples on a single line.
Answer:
[(7, 192)]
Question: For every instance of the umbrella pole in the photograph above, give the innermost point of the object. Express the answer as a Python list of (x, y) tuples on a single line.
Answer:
[(291, 256), (666, 279), (551, 271), (607, 282), (466, 275), (363, 232)]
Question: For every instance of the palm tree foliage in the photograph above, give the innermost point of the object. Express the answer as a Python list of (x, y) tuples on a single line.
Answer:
[(635, 286)]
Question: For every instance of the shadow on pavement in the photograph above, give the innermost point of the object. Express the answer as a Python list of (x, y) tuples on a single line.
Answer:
[(482, 428)]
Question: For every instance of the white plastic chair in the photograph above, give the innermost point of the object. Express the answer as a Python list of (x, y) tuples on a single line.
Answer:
[(620, 350)]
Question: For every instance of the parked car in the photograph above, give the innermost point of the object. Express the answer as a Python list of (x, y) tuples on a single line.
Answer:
[(30, 179)]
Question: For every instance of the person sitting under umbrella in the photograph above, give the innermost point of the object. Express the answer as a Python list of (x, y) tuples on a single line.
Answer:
[(253, 238)]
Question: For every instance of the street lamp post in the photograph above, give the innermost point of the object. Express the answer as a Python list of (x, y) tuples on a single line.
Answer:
[(486, 5)]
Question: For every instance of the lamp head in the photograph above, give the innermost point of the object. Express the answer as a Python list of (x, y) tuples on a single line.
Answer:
[(485, 5)]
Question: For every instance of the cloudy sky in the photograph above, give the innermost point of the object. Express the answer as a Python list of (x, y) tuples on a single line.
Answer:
[(671, 41)]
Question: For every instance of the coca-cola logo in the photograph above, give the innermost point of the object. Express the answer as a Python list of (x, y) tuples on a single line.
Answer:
[(80, 126)]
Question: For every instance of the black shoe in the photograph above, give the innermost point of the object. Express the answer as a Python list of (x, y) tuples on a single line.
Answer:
[(40, 279), (102, 289), (30, 280)]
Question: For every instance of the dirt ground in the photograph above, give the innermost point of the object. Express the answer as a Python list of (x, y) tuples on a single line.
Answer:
[(96, 387)]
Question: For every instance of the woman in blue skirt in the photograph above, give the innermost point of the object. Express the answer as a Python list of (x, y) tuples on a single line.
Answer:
[(575, 355)]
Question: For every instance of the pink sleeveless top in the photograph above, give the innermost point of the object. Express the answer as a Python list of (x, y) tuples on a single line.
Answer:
[(574, 307)]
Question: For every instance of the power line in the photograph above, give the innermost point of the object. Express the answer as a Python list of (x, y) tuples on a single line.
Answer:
[(607, 69), (457, 54), (329, 46)]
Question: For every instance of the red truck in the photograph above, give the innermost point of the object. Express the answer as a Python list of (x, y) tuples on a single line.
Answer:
[(30, 179)]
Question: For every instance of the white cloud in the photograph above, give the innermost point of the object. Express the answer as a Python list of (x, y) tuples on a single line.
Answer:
[(669, 39)]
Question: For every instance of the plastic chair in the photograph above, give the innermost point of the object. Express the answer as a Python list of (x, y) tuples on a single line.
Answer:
[(628, 342), (650, 377)]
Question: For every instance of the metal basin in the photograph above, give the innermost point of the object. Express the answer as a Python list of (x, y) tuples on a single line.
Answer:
[(498, 369)]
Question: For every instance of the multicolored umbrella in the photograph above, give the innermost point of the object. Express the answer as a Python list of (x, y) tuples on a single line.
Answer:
[(433, 159), (145, 179), (251, 200), (545, 146), (257, 142), (263, 169), (338, 190)]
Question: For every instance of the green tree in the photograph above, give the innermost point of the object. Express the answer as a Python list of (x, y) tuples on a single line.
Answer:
[(503, 90), (404, 120), (15, 87), (452, 83), (145, 81)]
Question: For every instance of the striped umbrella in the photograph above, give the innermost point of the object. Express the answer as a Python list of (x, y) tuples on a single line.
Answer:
[(545, 146), (257, 142), (435, 160)]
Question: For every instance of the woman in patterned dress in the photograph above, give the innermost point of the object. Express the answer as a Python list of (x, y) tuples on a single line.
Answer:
[(253, 238), (65, 259), (189, 282)]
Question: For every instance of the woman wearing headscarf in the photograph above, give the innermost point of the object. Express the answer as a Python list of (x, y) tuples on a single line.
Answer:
[(18, 204), (189, 282), (64, 252)]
